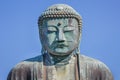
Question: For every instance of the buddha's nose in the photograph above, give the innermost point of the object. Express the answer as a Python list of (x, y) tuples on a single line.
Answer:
[(61, 36)]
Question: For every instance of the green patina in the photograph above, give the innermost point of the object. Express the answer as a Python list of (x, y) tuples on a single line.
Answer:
[(60, 36)]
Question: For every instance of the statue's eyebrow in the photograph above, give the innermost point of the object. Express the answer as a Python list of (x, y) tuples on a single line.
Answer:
[(51, 26), (69, 26)]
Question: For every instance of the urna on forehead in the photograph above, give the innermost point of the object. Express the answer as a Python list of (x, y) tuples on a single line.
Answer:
[(60, 11)]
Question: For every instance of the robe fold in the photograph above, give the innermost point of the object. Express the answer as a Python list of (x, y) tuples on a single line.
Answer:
[(35, 69)]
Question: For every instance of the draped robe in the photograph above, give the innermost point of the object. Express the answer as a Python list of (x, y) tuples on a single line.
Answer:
[(39, 68)]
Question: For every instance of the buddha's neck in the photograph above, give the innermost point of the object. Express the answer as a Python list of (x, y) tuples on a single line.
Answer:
[(61, 60)]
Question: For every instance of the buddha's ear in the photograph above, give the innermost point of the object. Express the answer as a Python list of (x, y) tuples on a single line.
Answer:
[(40, 34), (79, 39)]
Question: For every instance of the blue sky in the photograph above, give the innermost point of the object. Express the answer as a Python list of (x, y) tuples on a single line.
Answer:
[(19, 38)]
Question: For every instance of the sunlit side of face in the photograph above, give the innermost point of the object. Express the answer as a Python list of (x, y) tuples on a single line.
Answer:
[(60, 35)]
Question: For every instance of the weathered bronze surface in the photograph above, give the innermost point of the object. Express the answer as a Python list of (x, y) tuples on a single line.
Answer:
[(60, 33)]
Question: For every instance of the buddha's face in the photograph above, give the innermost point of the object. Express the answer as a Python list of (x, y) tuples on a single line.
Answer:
[(60, 36)]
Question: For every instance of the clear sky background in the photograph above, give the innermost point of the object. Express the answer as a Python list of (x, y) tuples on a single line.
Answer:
[(19, 38)]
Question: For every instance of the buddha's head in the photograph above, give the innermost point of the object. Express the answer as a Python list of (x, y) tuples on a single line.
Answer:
[(60, 29)]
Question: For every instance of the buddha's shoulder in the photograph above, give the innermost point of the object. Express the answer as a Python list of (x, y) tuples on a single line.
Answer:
[(96, 66), (88, 59), (92, 62), (29, 63)]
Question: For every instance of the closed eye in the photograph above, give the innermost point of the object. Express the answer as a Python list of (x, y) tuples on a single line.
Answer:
[(68, 29), (51, 29)]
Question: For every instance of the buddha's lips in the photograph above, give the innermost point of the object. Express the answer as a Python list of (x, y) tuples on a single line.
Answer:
[(61, 45)]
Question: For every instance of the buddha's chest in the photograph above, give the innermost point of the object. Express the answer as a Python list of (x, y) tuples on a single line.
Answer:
[(65, 72)]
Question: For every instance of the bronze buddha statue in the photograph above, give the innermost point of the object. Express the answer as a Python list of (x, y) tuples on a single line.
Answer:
[(60, 32)]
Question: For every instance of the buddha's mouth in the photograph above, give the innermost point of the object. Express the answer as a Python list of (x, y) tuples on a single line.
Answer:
[(61, 45)]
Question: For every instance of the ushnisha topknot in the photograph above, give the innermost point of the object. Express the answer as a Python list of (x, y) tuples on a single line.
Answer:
[(60, 11)]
